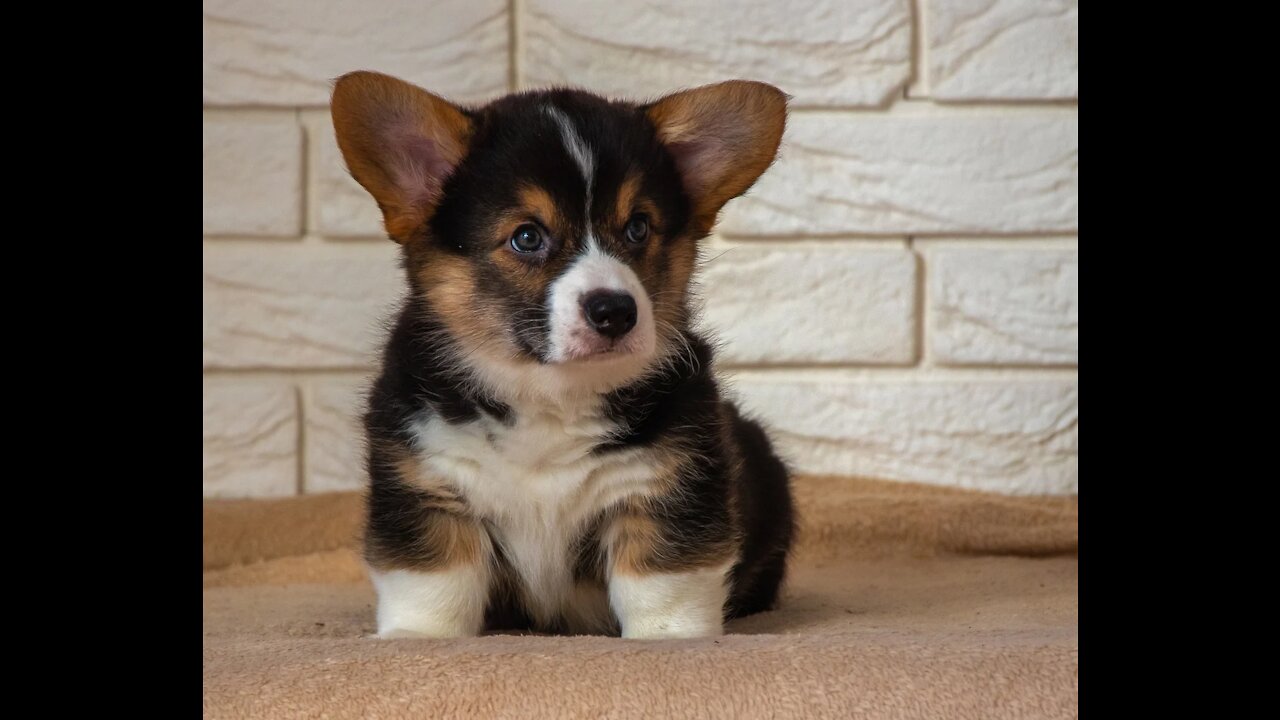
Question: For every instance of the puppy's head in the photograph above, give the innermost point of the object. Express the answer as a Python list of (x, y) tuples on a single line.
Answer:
[(555, 228)]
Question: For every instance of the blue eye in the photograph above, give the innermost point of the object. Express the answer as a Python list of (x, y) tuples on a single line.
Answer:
[(637, 229), (527, 238)]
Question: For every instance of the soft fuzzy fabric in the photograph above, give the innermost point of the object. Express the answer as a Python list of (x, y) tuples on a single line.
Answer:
[(905, 601)]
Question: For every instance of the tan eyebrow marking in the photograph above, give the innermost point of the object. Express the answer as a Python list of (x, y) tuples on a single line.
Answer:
[(538, 201), (627, 198)]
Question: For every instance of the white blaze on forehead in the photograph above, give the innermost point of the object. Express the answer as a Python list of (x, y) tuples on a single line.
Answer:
[(581, 154), (576, 146)]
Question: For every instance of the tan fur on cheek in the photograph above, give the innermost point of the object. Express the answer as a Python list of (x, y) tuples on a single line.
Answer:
[(529, 280), (448, 281), (680, 257)]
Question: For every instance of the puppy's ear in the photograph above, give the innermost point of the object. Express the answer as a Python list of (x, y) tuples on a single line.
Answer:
[(400, 142), (723, 137)]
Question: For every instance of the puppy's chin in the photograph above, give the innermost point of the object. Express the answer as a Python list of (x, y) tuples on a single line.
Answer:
[(560, 379), (598, 373), (598, 365), (588, 347)]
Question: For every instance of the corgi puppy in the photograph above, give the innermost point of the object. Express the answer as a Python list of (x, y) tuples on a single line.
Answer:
[(548, 447)]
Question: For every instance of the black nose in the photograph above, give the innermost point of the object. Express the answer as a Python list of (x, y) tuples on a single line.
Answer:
[(610, 313)]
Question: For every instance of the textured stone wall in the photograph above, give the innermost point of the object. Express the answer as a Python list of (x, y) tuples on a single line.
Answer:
[(898, 295)]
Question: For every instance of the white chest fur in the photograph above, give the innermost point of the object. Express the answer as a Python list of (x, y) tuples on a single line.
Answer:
[(538, 484)]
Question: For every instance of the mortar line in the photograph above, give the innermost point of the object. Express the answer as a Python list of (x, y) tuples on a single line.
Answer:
[(513, 40), (301, 480), (919, 53)]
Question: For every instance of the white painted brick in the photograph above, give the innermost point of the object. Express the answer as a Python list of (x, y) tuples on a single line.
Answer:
[(1004, 306), (823, 52), (305, 305), (277, 52), (1002, 434), (917, 172), (818, 304), (340, 207), (1003, 49), (335, 438), (250, 439), (253, 175)]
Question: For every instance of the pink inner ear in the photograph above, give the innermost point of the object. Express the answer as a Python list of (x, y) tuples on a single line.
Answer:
[(702, 161), (420, 166)]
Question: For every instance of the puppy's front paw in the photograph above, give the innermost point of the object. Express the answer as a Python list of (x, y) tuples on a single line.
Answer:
[(442, 604), (670, 605), (673, 628)]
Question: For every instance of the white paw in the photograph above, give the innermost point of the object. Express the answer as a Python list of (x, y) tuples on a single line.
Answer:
[(445, 604), (672, 629), (670, 605)]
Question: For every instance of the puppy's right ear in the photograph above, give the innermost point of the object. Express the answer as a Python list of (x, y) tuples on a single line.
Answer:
[(400, 142)]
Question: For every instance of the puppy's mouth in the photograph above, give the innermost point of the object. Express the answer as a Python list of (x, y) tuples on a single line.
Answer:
[(588, 347)]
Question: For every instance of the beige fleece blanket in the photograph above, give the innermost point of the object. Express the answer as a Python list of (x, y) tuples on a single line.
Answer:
[(904, 601)]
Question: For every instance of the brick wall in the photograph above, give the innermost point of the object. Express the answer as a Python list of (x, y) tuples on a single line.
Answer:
[(899, 294)]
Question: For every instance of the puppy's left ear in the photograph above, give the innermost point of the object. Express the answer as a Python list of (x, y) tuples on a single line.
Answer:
[(722, 137)]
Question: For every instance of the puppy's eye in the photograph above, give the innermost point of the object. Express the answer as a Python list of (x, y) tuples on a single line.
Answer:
[(637, 229), (527, 238)]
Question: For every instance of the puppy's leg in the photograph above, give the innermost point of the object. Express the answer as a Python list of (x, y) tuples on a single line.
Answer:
[(684, 604), (441, 603), (430, 561), (660, 590)]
